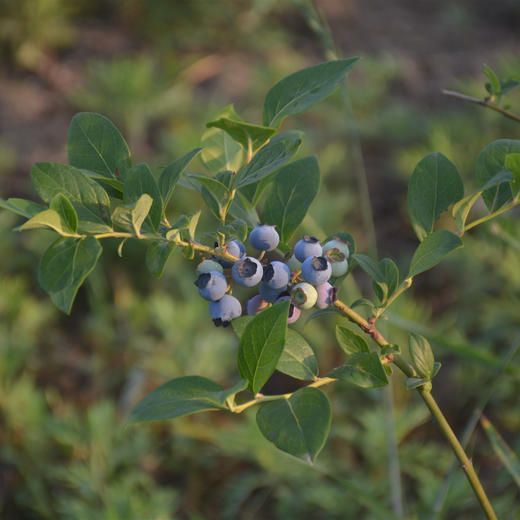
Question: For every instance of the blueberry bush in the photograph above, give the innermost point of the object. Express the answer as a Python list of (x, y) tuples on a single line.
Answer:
[(257, 274)]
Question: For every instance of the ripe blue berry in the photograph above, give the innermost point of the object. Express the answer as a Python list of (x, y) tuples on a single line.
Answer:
[(316, 270), (337, 243), (264, 237), (224, 310), (276, 275), (247, 272), (307, 246), (294, 312), (304, 295), (208, 265), (234, 248), (255, 305), (212, 286), (338, 261), (268, 294), (327, 295)]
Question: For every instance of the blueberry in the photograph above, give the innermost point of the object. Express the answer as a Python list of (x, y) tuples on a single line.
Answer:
[(255, 305), (234, 248), (248, 271), (208, 265), (268, 294), (212, 286), (264, 238), (276, 275), (224, 310), (327, 295), (316, 270), (337, 243), (338, 261), (304, 295), (294, 312), (307, 246)]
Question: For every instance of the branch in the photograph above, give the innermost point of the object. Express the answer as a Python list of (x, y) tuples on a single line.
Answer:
[(369, 328), (482, 102)]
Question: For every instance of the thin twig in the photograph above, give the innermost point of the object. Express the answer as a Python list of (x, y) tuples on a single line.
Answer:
[(482, 102)]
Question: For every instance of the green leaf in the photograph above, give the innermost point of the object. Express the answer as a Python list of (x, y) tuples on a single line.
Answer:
[(432, 250), (261, 345), (187, 224), (490, 161), (350, 343), (502, 450), (236, 229), (170, 175), (294, 188), (25, 208), (117, 186), (139, 181), (247, 134), (267, 160), (434, 185), (384, 274), (215, 194), (66, 211), (157, 255), (301, 90), (122, 218), (421, 355), (140, 211), (412, 383), (220, 151), (95, 144), (297, 360), (242, 209), (298, 425), (493, 80), (362, 369), (67, 262), (89, 199), (461, 209), (513, 164), (181, 396), (48, 218)]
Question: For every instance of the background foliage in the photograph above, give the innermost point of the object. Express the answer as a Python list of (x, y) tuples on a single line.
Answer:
[(159, 70)]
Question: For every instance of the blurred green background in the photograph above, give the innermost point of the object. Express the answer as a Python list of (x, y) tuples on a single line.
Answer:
[(160, 69)]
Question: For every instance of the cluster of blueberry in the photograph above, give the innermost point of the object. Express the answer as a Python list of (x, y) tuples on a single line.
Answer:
[(303, 277)]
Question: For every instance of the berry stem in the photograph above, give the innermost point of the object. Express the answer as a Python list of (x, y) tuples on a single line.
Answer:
[(319, 381)]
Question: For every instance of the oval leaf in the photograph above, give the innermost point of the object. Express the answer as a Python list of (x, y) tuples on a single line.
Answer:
[(181, 396), (170, 175), (421, 355), (350, 343), (66, 211), (89, 199), (297, 360), (67, 262), (95, 144), (435, 184), (298, 425), (363, 369), (294, 188), (432, 250), (157, 255), (491, 161), (139, 181), (268, 159), (301, 90), (25, 208), (261, 345)]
